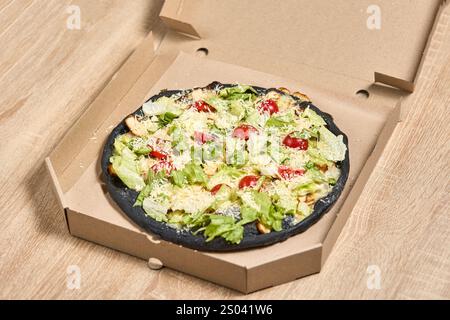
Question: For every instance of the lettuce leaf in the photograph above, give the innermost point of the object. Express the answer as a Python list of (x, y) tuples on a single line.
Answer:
[(161, 106), (152, 178), (142, 195), (331, 147), (126, 168), (225, 227), (166, 118), (243, 92), (226, 175), (194, 173), (121, 142), (273, 219), (155, 210), (281, 121), (248, 215), (178, 178), (313, 117), (218, 103)]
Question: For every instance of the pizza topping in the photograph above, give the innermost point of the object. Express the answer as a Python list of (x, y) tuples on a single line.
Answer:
[(244, 131), (202, 106), (269, 106), (201, 137), (289, 173), (216, 188), (158, 155), (163, 166), (295, 143), (262, 228), (248, 182), (135, 126), (281, 160)]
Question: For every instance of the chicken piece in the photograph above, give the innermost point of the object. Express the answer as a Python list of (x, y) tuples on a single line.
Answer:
[(285, 90), (262, 228), (135, 126), (111, 170), (301, 96)]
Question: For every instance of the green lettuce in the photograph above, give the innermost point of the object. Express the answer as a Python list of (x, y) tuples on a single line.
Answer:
[(273, 219), (281, 121), (126, 167), (152, 178), (238, 92), (166, 118), (161, 106), (223, 226), (225, 175), (313, 117), (192, 173), (331, 147), (155, 210), (218, 103)]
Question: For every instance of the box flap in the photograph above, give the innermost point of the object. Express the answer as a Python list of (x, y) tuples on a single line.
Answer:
[(382, 42)]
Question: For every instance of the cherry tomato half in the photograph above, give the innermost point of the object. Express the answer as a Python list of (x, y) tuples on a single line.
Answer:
[(248, 182), (269, 106), (243, 131), (202, 106), (289, 173), (295, 143)]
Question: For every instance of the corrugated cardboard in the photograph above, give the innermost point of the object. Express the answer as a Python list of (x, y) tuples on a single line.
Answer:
[(369, 123)]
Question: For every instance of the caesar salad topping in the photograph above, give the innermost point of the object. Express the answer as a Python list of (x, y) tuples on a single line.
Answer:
[(213, 160)]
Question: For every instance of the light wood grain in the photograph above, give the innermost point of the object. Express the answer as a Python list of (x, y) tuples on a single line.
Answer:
[(49, 75)]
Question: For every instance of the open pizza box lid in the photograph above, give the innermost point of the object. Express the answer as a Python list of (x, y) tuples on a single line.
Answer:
[(328, 50)]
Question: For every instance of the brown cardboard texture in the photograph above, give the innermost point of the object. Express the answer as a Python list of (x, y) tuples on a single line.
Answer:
[(75, 170), (381, 40)]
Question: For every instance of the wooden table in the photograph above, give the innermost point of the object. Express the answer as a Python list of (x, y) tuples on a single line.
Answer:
[(49, 75)]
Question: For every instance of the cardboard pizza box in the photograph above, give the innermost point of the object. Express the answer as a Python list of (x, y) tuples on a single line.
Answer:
[(330, 51)]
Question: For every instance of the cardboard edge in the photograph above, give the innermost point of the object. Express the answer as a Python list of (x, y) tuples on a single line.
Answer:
[(150, 249), (171, 16), (82, 127), (398, 83), (440, 20), (367, 171), (57, 189), (258, 277)]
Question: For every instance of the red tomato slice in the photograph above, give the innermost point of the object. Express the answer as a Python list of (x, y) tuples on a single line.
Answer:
[(243, 131), (216, 188), (289, 173), (269, 106), (158, 155), (248, 182), (202, 106), (295, 143)]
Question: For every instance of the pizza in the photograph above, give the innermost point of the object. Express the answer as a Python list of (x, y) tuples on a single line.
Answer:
[(226, 166)]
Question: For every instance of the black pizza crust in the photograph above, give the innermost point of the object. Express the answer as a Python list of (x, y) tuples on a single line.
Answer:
[(125, 197)]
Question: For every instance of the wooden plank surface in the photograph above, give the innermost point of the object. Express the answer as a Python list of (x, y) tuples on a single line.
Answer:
[(49, 75)]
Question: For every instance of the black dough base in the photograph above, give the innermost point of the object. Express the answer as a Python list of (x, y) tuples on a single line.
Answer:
[(125, 197)]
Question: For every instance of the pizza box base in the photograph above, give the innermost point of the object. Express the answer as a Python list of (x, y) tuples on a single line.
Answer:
[(90, 213)]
